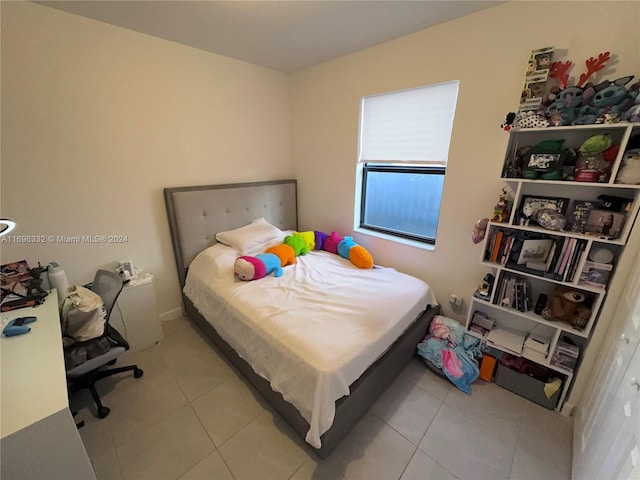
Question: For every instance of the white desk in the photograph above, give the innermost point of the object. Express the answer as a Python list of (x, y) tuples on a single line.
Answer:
[(39, 436)]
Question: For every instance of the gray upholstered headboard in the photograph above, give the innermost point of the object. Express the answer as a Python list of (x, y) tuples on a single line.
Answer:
[(196, 214)]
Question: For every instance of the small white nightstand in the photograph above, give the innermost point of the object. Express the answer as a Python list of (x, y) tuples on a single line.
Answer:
[(135, 314)]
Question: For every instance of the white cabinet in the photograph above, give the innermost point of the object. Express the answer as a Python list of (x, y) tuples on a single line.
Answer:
[(533, 263), (135, 314), (608, 427)]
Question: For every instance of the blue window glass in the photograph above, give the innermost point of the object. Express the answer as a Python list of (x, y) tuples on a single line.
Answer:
[(402, 201)]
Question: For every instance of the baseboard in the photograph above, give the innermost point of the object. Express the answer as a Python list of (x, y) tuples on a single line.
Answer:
[(172, 314)]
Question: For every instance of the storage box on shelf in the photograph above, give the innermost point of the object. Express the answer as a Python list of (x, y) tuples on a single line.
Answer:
[(549, 284)]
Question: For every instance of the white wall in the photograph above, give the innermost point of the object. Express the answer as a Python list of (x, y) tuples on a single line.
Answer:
[(97, 120), (488, 53)]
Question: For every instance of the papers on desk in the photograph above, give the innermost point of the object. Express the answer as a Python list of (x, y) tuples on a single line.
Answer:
[(506, 339)]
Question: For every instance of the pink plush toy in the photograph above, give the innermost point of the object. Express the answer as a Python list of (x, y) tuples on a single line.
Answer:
[(252, 268), (331, 242)]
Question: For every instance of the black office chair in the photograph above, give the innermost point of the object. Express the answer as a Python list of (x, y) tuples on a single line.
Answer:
[(108, 285)]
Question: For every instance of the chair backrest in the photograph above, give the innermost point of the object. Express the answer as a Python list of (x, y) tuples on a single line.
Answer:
[(108, 285)]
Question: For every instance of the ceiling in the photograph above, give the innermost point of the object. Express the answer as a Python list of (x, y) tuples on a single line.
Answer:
[(282, 35)]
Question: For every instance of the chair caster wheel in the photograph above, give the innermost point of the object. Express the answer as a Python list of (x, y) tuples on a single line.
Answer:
[(103, 412), (137, 373)]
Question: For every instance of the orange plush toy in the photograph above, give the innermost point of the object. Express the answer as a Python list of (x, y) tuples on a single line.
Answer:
[(284, 252)]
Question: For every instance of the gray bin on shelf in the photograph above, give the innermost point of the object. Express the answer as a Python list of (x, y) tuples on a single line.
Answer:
[(525, 386)]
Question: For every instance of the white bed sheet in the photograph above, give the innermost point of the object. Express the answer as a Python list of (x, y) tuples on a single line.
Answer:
[(313, 331)]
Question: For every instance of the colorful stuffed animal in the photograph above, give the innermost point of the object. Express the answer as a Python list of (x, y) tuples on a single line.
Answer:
[(284, 252), (296, 241), (331, 242), (344, 246), (320, 237), (358, 255), (253, 268), (309, 239)]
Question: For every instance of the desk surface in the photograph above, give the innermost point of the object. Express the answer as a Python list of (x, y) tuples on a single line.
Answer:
[(34, 383)]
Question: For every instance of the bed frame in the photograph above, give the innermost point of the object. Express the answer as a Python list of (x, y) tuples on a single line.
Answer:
[(196, 214)]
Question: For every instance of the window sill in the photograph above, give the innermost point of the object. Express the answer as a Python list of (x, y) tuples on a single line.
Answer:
[(392, 238)]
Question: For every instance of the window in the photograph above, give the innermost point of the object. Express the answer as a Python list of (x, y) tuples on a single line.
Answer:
[(403, 151)]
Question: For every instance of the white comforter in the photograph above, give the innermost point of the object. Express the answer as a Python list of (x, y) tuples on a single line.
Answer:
[(313, 331)]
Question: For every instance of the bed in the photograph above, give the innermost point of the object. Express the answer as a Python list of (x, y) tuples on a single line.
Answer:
[(277, 331)]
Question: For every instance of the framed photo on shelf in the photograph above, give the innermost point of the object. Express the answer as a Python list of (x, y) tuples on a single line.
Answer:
[(605, 224), (578, 215), (535, 250), (530, 205)]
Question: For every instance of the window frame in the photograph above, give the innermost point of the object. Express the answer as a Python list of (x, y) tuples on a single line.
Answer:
[(379, 149), (389, 167)]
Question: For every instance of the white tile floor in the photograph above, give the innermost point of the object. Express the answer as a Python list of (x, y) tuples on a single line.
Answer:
[(191, 416)]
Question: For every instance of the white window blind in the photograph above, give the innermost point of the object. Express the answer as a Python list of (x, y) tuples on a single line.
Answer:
[(408, 125)]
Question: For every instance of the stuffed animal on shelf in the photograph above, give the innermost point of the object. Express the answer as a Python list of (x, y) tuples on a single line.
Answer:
[(594, 162), (284, 252), (296, 241), (253, 268), (630, 171), (567, 305), (358, 255)]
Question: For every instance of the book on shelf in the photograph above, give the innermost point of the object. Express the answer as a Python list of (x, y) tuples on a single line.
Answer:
[(575, 260), (496, 246), (562, 268), (563, 250), (507, 249), (513, 292)]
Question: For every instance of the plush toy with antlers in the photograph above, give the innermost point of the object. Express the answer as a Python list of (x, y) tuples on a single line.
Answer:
[(586, 103), (567, 100)]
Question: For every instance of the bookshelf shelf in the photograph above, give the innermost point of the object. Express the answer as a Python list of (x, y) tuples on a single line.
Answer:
[(533, 266)]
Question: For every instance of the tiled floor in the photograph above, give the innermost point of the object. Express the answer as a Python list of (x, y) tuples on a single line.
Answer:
[(191, 416)]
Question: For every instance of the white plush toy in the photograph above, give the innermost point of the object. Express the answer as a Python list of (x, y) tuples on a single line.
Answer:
[(630, 170)]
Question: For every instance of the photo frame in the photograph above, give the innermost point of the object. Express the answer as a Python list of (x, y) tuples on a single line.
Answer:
[(531, 204), (605, 224), (578, 215), (535, 250), (15, 278)]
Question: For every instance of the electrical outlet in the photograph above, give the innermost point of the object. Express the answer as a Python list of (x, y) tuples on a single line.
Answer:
[(455, 299)]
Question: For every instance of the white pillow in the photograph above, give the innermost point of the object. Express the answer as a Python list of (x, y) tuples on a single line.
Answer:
[(251, 237)]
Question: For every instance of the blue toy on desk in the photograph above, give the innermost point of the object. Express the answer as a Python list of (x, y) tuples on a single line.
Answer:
[(16, 326)]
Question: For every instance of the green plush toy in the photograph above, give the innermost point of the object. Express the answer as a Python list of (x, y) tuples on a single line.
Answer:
[(596, 144), (296, 241)]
